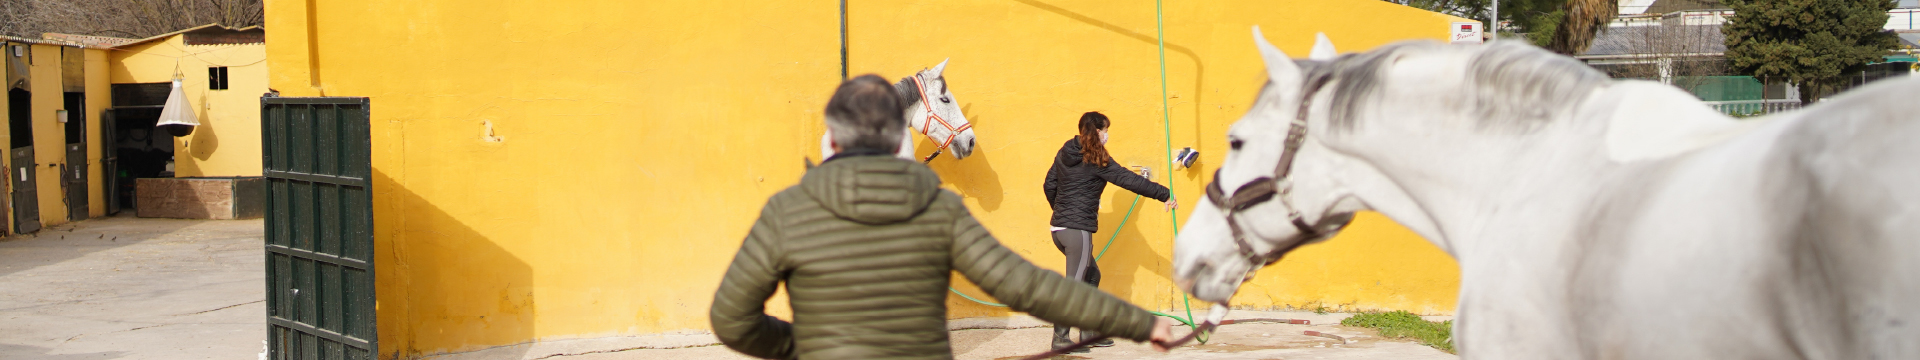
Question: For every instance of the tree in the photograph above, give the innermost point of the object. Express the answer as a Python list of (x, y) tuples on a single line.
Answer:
[(1580, 20), (1563, 26), (122, 18), (1809, 43)]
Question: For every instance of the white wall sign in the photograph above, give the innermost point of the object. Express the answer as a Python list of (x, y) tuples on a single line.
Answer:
[(1464, 33)]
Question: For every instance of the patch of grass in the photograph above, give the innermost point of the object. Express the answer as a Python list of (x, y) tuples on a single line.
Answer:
[(1406, 325)]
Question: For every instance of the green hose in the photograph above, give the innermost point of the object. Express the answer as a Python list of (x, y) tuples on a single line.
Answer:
[(1166, 122)]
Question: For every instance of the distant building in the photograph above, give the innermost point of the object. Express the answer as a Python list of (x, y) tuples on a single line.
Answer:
[(1679, 42)]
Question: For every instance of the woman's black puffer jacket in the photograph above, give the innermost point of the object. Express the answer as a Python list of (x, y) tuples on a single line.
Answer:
[(1073, 187)]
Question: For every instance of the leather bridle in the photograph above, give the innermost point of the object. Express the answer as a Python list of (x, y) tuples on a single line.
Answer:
[(1267, 188), (926, 125)]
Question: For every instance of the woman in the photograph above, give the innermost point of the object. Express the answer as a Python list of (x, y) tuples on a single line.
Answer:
[(1080, 172)]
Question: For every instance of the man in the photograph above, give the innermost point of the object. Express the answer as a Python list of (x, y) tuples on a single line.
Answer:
[(865, 244)]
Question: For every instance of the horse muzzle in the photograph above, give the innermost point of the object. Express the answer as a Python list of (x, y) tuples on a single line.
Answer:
[(963, 146)]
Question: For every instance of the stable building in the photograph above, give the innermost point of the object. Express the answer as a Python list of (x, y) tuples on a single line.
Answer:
[(206, 81), (56, 94)]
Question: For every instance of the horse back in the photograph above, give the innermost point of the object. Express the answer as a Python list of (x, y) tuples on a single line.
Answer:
[(1858, 234)]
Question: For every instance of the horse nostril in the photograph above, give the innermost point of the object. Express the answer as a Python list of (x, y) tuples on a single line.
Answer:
[(969, 143)]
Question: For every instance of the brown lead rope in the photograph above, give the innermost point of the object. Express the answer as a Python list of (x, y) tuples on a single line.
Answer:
[(1204, 327)]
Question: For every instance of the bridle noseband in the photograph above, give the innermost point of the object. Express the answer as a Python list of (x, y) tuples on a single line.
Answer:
[(926, 125), (1264, 189)]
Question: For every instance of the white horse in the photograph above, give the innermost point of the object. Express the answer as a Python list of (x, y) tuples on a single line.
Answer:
[(1592, 219), (931, 111)]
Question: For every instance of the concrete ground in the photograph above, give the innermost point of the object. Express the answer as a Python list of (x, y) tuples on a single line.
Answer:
[(133, 288), (1015, 338)]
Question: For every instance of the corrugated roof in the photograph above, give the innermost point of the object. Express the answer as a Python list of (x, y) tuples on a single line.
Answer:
[(1628, 40), (183, 31), (38, 41), (91, 41)]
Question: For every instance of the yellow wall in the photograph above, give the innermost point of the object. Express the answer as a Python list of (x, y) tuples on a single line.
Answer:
[(1026, 69), (638, 140), (632, 143), (49, 135), (227, 142), (99, 98)]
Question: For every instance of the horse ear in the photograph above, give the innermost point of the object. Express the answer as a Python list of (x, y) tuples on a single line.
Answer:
[(1280, 67), (937, 69), (1322, 48)]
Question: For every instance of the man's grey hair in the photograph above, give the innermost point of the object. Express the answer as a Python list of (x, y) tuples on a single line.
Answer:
[(865, 113)]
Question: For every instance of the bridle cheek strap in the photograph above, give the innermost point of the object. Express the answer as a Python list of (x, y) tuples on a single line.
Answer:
[(1264, 189)]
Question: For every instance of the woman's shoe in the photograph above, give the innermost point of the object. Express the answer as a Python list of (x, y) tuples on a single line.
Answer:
[(1061, 340), (1087, 335)]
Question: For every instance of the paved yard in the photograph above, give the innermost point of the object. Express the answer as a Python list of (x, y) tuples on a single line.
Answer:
[(1014, 338), (132, 288)]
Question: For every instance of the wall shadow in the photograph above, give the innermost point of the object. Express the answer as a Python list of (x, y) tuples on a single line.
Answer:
[(202, 143), (1130, 250), (441, 285), (972, 177), (1199, 67)]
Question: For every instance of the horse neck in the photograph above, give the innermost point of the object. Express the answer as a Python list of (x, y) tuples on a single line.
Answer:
[(1499, 216), (917, 117), (1480, 194)]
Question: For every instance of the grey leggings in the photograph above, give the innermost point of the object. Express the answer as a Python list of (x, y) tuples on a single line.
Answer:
[(1077, 245)]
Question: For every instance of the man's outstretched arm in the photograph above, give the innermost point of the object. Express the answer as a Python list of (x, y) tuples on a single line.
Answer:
[(1044, 294)]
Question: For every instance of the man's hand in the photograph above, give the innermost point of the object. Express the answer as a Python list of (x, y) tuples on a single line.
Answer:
[(1162, 333), (1172, 203)]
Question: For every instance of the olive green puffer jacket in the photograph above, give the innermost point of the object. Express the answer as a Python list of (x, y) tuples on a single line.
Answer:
[(865, 245)]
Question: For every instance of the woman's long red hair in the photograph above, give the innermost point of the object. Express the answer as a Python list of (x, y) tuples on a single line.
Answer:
[(1092, 150)]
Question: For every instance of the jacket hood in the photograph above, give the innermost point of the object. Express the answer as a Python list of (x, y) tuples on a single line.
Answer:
[(879, 189), (1069, 155)]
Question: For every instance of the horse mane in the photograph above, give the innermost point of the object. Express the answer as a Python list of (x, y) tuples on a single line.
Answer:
[(909, 91), (1511, 86)]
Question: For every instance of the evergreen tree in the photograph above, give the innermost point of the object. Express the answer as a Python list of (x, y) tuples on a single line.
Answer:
[(1810, 43)]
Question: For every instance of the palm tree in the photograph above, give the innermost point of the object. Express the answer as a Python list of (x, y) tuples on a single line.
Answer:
[(1584, 19)]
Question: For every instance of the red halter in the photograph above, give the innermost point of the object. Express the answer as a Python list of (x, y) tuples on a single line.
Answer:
[(926, 125)]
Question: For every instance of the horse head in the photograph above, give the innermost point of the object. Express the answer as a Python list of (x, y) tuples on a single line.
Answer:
[(1232, 233), (932, 111)]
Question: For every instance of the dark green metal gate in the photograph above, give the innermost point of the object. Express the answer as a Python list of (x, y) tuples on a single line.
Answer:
[(319, 228)]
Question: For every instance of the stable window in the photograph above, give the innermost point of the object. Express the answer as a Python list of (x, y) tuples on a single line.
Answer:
[(217, 78)]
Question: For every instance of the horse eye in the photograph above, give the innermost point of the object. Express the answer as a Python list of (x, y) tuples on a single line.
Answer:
[(1235, 143), (946, 100)]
